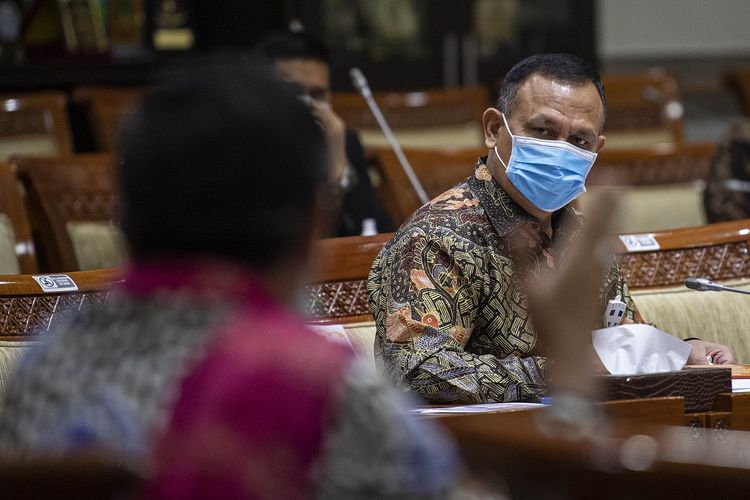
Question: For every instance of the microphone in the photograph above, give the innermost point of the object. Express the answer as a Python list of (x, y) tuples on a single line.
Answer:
[(360, 83), (706, 285)]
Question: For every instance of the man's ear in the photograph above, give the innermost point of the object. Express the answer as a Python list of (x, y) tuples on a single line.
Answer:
[(492, 120), (600, 143)]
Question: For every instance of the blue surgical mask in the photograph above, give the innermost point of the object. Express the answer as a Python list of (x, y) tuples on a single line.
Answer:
[(550, 174)]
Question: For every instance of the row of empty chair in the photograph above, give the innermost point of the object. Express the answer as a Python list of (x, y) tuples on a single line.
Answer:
[(664, 189), (644, 109), (61, 217), (37, 123)]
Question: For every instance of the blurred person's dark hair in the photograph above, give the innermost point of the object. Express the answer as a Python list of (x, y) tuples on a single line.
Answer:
[(563, 68), (221, 162), (293, 45)]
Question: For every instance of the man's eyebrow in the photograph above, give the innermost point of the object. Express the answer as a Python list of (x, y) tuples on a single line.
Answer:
[(544, 119)]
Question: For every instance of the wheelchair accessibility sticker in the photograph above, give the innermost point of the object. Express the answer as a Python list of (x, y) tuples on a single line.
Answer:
[(55, 283)]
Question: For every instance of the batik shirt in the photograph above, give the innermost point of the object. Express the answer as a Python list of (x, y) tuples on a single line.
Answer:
[(452, 321)]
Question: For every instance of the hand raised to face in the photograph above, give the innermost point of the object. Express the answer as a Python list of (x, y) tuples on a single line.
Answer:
[(564, 305)]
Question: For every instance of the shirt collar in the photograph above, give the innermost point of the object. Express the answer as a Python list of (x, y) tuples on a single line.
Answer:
[(506, 215)]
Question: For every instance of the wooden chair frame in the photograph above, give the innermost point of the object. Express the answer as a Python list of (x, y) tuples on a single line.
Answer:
[(45, 113), (437, 170), (64, 189), (647, 100), (26, 311), (671, 164), (338, 293), (106, 107), (423, 109), (13, 206), (717, 251)]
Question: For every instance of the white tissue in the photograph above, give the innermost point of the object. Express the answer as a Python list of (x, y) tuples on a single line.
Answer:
[(634, 349)]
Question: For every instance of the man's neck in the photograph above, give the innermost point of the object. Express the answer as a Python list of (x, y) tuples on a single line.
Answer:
[(498, 172), (546, 225)]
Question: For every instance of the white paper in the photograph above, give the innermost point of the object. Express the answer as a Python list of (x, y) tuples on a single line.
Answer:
[(639, 242), (636, 349), (740, 384), (478, 408), (334, 333)]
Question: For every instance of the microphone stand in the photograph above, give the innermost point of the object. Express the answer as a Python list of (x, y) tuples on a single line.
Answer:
[(360, 83), (706, 285)]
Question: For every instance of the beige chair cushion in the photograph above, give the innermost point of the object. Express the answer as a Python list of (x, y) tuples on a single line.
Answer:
[(713, 316), (654, 208), (637, 139), (96, 244), (455, 136), (11, 352), (8, 257), (28, 145)]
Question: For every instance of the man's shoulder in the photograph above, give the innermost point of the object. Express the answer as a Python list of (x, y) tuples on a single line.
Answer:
[(428, 231), (456, 210), (452, 202), (251, 339)]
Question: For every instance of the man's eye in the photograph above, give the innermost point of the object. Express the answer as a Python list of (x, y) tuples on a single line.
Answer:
[(581, 143), (541, 131), (318, 95)]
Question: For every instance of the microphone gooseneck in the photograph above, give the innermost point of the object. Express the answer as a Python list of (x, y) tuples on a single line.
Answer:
[(360, 83), (706, 285)]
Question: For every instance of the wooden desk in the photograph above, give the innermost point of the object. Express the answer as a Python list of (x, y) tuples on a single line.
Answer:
[(737, 404), (626, 459), (633, 413)]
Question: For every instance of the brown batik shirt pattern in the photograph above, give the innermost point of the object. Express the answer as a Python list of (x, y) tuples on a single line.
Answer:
[(452, 321)]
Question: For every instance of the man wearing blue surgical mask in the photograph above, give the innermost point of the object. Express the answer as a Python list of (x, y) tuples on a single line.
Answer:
[(452, 321)]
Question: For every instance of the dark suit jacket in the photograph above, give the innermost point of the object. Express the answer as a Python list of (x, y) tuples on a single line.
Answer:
[(360, 201)]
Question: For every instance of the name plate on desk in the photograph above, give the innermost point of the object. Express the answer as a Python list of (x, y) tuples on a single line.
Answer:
[(699, 386)]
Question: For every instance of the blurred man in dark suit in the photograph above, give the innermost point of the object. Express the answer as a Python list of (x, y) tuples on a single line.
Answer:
[(303, 60)]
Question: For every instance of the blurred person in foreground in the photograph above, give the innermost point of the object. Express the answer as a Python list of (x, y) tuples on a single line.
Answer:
[(199, 349), (304, 61), (453, 324)]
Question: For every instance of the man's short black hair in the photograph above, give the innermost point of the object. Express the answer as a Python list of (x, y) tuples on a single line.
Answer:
[(293, 45), (226, 162), (564, 68)]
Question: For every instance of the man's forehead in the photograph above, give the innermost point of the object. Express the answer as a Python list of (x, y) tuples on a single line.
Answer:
[(550, 97), (305, 72)]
